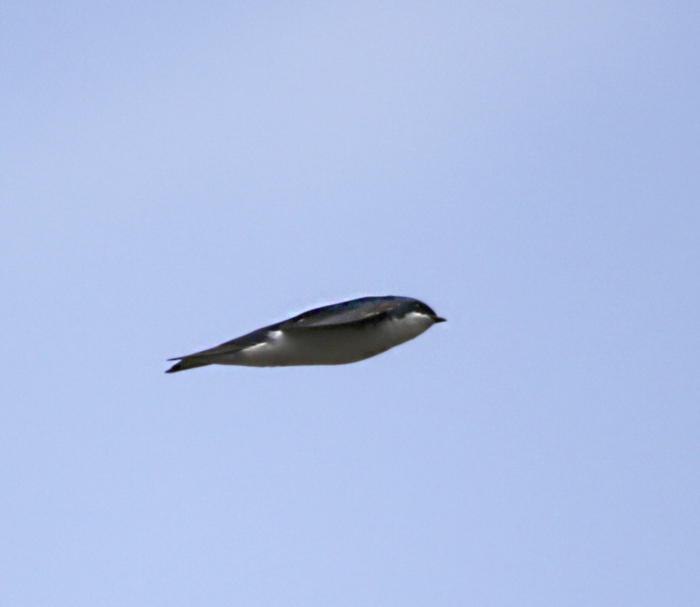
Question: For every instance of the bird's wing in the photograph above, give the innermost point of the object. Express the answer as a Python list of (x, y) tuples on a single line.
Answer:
[(358, 312), (235, 345), (345, 314)]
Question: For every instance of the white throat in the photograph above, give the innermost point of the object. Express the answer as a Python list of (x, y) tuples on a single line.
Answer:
[(410, 326)]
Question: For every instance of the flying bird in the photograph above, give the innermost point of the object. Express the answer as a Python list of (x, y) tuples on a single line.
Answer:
[(332, 335)]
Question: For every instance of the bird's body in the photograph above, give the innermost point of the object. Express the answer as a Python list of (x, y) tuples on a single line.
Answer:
[(333, 335)]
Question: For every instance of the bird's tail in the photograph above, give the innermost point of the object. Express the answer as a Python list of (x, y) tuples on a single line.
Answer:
[(188, 362)]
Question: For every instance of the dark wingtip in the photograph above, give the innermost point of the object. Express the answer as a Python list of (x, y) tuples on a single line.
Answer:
[(189, 362)]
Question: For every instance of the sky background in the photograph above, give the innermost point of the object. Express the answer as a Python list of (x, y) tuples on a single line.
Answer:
[(173, 175)]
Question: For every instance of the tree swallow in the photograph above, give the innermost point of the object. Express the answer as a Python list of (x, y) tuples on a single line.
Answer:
[(332, 335)]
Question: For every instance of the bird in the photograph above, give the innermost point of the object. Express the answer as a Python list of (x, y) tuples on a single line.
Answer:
[(337, 334)]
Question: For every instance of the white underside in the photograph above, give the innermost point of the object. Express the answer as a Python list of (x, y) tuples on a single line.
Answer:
[(335, 346)]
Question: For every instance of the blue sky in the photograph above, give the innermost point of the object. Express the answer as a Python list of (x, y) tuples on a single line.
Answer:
[(175, 175)]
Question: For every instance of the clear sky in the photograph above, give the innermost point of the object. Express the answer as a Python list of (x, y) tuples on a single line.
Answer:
[(173, 175)]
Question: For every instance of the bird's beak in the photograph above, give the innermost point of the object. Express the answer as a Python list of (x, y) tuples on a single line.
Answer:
[(438, 319)]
